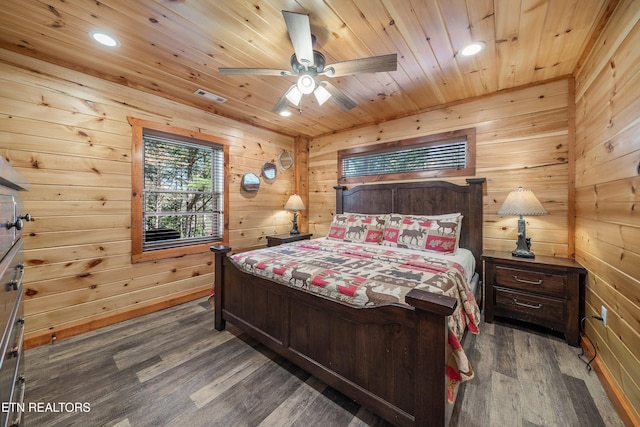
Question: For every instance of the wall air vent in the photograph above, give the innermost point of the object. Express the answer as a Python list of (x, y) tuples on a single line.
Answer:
[(209, 95)]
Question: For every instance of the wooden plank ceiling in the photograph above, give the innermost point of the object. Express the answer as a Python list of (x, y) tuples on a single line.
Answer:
[(174, 47)]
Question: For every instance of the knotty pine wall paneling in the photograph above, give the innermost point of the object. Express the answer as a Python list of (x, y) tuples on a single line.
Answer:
[(68, 134), (522, 139), (608, 196)]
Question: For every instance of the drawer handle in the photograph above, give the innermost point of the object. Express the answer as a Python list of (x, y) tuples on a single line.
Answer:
[(17, 349), (18, 275), (529, 282), (515, 300), (16, 422)]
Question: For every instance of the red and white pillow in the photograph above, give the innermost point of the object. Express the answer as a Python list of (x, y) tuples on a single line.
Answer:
[(435, 233), (357, 228)]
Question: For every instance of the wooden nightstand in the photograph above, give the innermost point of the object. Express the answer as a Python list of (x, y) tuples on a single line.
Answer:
[(278, 239), (544, 291)]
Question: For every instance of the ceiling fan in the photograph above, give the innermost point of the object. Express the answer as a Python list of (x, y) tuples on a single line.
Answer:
[(307, 64)]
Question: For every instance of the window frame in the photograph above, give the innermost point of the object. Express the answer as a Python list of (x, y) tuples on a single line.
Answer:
[(418, 142), (137, 191)]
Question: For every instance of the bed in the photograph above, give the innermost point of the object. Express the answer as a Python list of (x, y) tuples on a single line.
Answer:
[(389, 357)]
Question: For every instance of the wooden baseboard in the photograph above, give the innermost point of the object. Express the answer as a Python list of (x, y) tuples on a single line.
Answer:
[(617, 397), (75, 329)]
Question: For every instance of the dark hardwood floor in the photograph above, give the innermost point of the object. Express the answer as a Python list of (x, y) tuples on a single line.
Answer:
[(172, 368)]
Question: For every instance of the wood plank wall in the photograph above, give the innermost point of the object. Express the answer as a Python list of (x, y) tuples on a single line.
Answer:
[(608, 195), (522, 139), (67, 133)]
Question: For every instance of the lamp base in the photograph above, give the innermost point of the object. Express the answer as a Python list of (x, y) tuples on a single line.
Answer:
[(523, 254), (523, 247), (294, 229)]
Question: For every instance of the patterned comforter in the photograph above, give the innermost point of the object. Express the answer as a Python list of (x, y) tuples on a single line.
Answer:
[(364, 275)]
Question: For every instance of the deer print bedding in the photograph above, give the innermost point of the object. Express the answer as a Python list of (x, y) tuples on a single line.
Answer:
[(357, 274), (363, 275), (431, 233)]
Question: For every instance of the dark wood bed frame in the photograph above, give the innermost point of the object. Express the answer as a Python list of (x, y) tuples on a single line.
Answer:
[(390, 359)]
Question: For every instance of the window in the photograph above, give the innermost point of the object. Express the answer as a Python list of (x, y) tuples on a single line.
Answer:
[(179, 191), (445, 154)]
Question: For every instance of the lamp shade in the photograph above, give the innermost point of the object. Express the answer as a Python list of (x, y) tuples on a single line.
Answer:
[(322, 94), (294, 203), (522, 202), (294, 95)]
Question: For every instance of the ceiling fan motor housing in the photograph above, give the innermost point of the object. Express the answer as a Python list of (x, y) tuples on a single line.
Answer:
[(317, 67)]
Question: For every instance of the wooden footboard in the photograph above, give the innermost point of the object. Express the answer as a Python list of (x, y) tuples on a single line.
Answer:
[(390, 359)]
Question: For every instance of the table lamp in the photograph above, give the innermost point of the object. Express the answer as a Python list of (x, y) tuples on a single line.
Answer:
[(522, 202), (294, 204)]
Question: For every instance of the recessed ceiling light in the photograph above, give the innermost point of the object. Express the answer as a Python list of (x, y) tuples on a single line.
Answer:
[(104, 39), (472, 49), (285, 113)]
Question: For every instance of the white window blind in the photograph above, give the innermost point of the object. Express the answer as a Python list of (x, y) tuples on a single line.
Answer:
[(183, 191), (449, 155)]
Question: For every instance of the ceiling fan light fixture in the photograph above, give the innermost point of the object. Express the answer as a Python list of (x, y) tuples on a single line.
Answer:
[(294, 95), (322, 94), (306, 84), (472, 49)]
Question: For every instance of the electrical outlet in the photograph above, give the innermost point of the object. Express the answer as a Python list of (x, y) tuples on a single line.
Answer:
[(603, 314)]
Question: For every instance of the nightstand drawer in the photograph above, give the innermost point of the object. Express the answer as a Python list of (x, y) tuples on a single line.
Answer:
[(531, 281), (528, 307)]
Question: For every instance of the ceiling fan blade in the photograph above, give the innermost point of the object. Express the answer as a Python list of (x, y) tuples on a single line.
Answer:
[(372, 64), (339, 97), (254, 71), (300, 35), (282, 103)]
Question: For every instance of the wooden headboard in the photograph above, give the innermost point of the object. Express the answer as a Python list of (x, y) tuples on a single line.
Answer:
[(422, 198)]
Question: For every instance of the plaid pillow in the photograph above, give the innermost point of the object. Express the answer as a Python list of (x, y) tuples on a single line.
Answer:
[(356, 228), (438, 233)]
